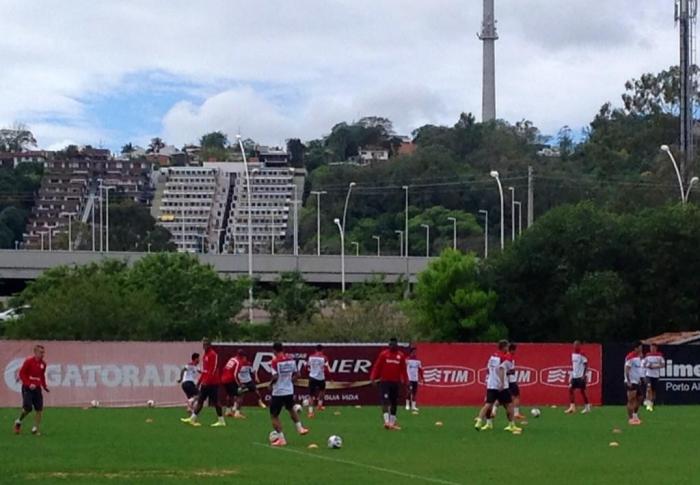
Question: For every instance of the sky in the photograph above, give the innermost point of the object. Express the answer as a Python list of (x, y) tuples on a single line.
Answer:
[(111, 72)]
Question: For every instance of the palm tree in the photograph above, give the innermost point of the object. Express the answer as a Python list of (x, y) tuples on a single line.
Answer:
[(156, 145)]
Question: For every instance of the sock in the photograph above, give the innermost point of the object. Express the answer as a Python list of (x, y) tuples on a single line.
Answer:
[(18, 421), (299, 426), (588, 407), (235, 407), (320, 402), (193, 417), (34, 429), (489, 421), (221, 419), (511, 423), (392, 419), (281, 435), (516, 410), (634, 416), (386, 418), (311, 409)]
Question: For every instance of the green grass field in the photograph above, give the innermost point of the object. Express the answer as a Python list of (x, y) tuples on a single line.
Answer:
[(120, 446)]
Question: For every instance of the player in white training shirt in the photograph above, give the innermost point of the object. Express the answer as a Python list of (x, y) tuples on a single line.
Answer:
[(414, 370), (284, 370), (654, 362), (497, 389), (579, 369), (633, 378), (318, 366), (189, 375)]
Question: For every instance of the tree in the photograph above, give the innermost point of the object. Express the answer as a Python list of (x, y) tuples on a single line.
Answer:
[(451, 305), (133, 228), (127, 149), (156, 145), (293, 301), (654, 94), (295, 149), (216, 140)]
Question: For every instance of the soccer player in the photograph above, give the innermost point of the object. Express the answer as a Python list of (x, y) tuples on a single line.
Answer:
[(654, 363), (497, 390), (229, 381), (513, 386), (245, 382), (188, 381), (318, 365), (284, 371), (209, 381), (633, 375), (390, 371), (32, 374), (579, 369), (414, 371)]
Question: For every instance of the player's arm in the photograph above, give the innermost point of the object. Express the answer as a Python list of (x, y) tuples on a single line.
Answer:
[(502, 373), (43, 380), (328, 370), (273, 372), (24, 374), (420, 374), (585, 368), (377, 368), (182, 375), (628, 368)]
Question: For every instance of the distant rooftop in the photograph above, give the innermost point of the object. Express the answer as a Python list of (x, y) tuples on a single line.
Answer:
[(675, 338)]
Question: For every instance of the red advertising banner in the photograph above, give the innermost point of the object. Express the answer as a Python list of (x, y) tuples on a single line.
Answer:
[(455, 374), (350, 365), (112, 373)]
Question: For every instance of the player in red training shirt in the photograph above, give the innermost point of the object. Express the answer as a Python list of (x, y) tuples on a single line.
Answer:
[(390, 370), (209, 381), (237, 378), (33, 377)]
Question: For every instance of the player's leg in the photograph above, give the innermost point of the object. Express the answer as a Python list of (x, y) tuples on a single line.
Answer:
[(393, 404), (409, 397), (38, 405), (632, 405), (515, 396), (197, 406), (275, 409), (321, 395), (586, 403), (506, 400), (27, 406), (414, 396), (384, 399), (289, 405), (313, 393), (485, 412), (572, 397), (214, 401), (651, 393)]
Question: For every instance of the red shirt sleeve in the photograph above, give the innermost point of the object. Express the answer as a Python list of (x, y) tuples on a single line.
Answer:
[(377, 367), (404, 371), (43, 376), (24, 372)]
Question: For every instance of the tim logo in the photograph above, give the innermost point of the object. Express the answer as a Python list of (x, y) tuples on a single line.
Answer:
[(447, 376), (561, 376), (524, 376)]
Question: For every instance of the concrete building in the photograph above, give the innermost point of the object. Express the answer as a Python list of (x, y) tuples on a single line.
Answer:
[(372, 154), (13, 159)]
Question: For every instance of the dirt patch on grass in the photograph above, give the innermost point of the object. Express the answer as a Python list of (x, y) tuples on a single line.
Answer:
[(132, 474)]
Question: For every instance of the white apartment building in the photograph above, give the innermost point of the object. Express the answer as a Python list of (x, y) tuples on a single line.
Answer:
[(186, 205)]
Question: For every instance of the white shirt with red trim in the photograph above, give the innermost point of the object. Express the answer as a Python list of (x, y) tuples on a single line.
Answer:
[(633, 362), (413, 367), (245, 372), (317, 366), (654, 362), (578, 365), (494, 366), (284, 367)]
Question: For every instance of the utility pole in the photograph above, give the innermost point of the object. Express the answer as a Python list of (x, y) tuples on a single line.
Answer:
[(530, 197), (489, 36), (686, 14)]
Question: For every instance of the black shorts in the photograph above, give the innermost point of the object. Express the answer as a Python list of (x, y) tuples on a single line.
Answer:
[(316, 385), (653, 383), (413, 387), (279, 402), (493, 395), (231, 389), (636, 388), (190, 389), (389, 392), (514, 389), (211, 393), (32, 399), (578, 383), (247, 387)]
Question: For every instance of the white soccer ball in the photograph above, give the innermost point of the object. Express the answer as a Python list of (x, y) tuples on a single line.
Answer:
[(95, 403), (297, 408), (150, 403), (335, 442), (305, 403), (274, 436), (535, 412)]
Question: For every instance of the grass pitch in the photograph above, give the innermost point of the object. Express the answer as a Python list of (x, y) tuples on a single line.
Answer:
[(151, 446)]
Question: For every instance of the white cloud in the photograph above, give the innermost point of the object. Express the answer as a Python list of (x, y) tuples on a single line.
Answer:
[(280, 69)]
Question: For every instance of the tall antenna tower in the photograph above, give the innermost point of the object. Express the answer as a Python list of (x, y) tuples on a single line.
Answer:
[(489, 36), (686, 16)]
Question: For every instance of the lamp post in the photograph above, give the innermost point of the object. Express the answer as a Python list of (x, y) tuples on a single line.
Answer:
[(41, 233), (148, 248), (70, 216), (202, 237), (342, 257), (512, 212), (218, 240), (427, 239), (250, 231), (51, 229), (318, 194), (486, 232), (454, 232), (93, 222), (107, 189), (101, 215), (495, 175), (519, 205), (347, 199), (405, 229), (16, 245), (684, 193), (357, 247), (692, 183), (400, 233), (379, 243)]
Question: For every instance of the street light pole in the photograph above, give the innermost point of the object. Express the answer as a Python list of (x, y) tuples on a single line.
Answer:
[(101, 218), (454, 232), (318, 194), (692, 183), (107, 189), (486, 232), (495, 175), (512, 212), (427, 239), (51, 228), (296, 222), (93, 223), (347, 199), (519, 205), (665, 148), (250, 231), (357, 247), (405, 229), (342, 256), (400, 233), (70, 216), (41, 233), (379, 242)]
